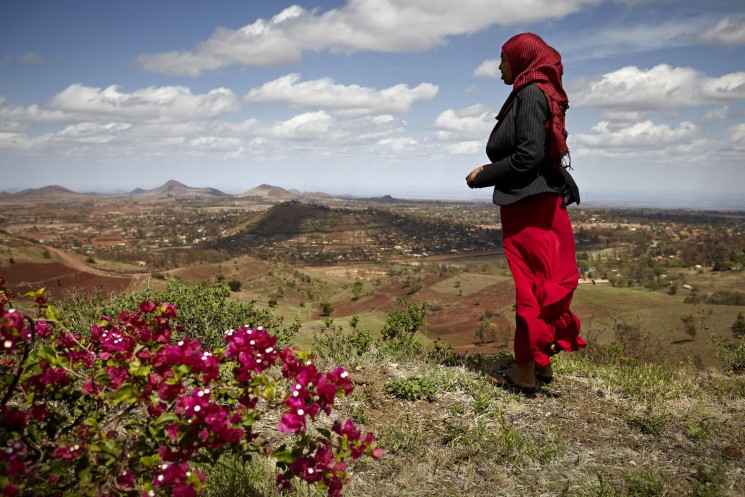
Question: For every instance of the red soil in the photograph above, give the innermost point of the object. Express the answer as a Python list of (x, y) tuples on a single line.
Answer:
[(59, 279)]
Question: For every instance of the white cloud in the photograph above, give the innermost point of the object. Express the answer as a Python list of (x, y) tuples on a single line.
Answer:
[(92, 133), (166, 103), (465, 124), (303, 126), (467, 148), (351, 100), (317, 133), (661, 87), (216, 143), (488, 69), (636, 137), (31, 58), (377, 25), (718, 114), (623, 38), (729, 32), (737, 137), (465, 130), (397, 144)]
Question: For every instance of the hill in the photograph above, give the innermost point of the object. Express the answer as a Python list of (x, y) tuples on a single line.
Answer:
[(48, 193), (175, 189), (275, 194), (320, 234), (271, 193)]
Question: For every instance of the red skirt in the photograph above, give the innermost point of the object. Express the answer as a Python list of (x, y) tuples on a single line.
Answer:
[(539, 247)]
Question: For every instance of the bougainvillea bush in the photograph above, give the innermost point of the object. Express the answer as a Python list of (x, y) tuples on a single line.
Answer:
[(133, 407)]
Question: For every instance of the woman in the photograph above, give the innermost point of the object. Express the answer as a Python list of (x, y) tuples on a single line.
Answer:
[(529, 156)]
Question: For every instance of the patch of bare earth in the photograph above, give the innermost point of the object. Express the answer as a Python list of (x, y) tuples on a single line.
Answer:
[(59, 279)]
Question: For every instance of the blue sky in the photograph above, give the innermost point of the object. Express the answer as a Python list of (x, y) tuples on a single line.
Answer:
[(365, 97)]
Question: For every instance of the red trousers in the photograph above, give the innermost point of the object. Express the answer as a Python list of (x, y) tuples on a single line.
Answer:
[(539, 247)]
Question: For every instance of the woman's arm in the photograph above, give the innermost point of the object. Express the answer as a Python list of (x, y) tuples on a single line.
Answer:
[(529, 141)]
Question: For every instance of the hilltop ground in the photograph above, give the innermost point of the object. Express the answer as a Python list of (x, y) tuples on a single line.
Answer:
[(613, 424), (463, 294)]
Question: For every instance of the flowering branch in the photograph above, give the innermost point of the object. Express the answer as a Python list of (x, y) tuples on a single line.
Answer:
[(139, 406)]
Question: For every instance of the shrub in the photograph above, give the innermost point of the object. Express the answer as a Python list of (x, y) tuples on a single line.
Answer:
[(738, 327), (340, 346), (400, 327), (234, 285), (412, 388), (732, 354), (133, 407), (326, 309), (205, 311)]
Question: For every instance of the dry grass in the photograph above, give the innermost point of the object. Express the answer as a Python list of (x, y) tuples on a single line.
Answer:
[(614, 430), (601, 429)]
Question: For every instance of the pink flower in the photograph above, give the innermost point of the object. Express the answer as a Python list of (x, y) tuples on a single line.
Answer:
[(55, 376), (283, 484), (348, 430), (68, 453), (43, 330), (168, 311), (290, 365), (14, 420), (172, 430), (118, 375), (147, 307), (39, 411), (11, 490), (291, 423), (91, 388)]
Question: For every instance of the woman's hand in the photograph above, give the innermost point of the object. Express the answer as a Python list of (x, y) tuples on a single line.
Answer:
[(472, 175)]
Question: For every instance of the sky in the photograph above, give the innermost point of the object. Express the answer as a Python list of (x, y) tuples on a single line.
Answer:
[(365, 97)]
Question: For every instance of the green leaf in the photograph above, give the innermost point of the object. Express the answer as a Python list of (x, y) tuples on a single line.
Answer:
[(33, 432), (84, 476), (53, 314), (283, 455), (168, 417), (137, 369), (46, 352), (126, 393)]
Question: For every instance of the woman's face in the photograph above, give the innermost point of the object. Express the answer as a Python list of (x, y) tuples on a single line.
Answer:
[(506, 71)]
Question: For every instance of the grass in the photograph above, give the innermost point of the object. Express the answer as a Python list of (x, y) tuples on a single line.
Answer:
[(609, 426), (618, 428), (466, 283)]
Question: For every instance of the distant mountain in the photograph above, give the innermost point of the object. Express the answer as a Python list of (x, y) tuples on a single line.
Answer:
[(384, 199), (173, 188), (53, 192), (272, 193), (176, 189)]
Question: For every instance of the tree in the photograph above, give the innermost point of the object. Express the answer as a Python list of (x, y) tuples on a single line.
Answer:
[(690, 325), (357, 290), (326, 309), (738, 327)]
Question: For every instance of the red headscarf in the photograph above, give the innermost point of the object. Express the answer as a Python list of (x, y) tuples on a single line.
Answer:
[(534, 62)]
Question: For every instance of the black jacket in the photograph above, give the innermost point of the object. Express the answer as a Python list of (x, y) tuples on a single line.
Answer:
[(519, 167)]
